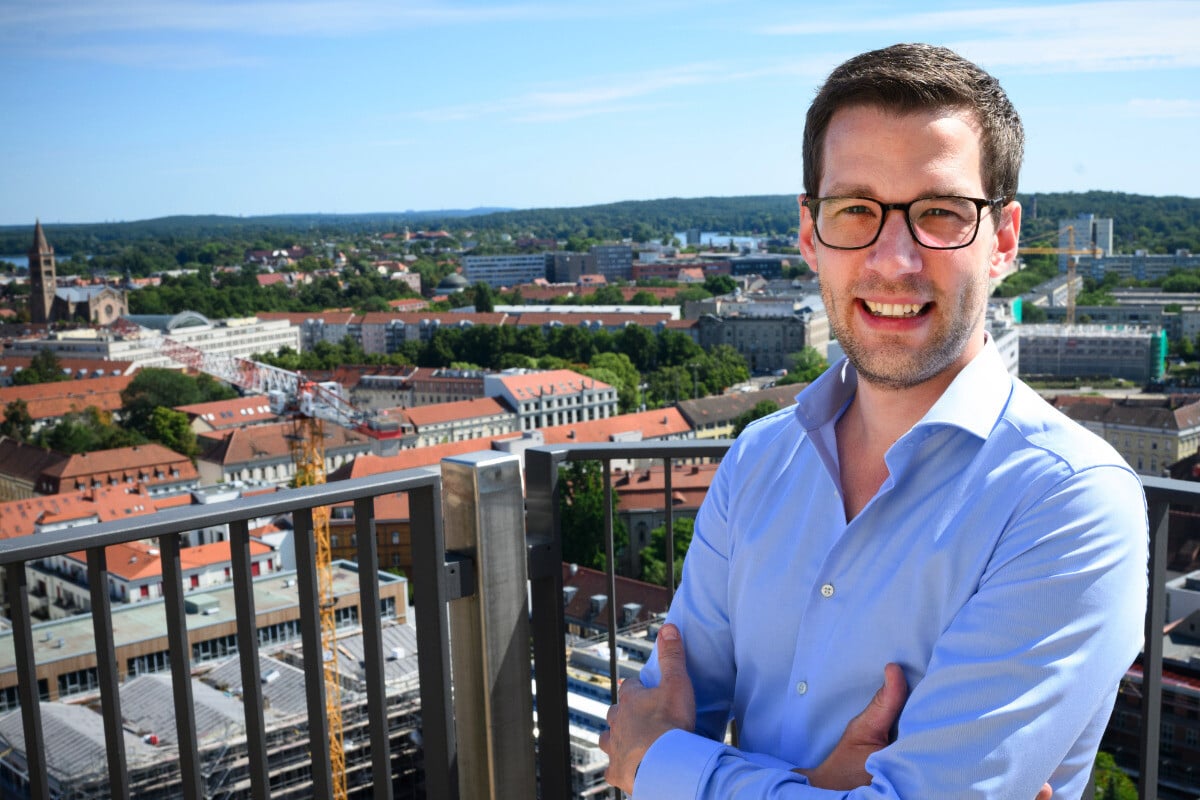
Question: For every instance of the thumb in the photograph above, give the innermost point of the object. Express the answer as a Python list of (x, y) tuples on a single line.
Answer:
[(671, 662), (877, 719)]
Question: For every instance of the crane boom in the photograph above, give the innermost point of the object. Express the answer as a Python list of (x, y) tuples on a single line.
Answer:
[(1072, 254)]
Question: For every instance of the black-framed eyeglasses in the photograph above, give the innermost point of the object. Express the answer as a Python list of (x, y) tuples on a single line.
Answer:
[(938, 223)]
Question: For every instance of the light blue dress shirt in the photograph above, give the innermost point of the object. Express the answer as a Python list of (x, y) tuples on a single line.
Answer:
[(1002, 564)]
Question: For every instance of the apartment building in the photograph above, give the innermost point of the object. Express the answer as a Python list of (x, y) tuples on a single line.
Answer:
[(60, 589), (240, 338), (504, 271), (1134, 353), (1150, 434), (554, 397)]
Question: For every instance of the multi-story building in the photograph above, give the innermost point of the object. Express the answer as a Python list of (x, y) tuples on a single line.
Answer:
[(1085, 232), (767, 266), (458, 421), (554, 397), (240, 338), (1149, 434), (135, 575), (767, 342), (262, 453), (565, 267), (613, 261), (1082, 351), (504, 271), (160, 470), (48, 403)]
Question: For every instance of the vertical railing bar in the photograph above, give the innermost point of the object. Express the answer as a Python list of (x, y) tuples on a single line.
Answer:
[(27, 681), (544, 538), (670, 522), (314, 652), (107, 672), (181, 672), (247, 634), (610, 573), (1152, 650), (433, 641), (371, 619)]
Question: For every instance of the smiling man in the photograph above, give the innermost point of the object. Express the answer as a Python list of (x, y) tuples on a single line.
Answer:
[(918, 506)]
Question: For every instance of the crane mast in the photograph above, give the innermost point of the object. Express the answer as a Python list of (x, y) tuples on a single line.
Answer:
[(308, 404)]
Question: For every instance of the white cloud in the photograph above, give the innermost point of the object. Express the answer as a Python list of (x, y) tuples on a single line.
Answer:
[(285, 18), (1081, 37), (608, 96), (1161, 108)]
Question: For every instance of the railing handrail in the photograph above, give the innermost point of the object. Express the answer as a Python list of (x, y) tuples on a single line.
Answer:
[(184, 518)]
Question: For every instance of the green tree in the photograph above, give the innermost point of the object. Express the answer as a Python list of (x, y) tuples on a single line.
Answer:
[(624, 377), (17, 424), (761, 409), (44, 367), (1111, 782), (719, 284), (171, 428), (807, 366), (152, 388), (654, 555), (484, 298), (639, 345), (86, 431), (581, 511)]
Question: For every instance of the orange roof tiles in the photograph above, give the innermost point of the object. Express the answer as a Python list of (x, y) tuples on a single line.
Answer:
[(656, 424), (20, 517), (556, 382), (53, 400), (233, 413), (456, 410)]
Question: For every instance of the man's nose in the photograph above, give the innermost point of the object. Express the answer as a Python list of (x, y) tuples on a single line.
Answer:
[(895, 252)]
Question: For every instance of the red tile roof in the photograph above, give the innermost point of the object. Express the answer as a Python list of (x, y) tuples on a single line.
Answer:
[(53, 400), (457, 410), (657, 424), (235, 413), (556, 381)]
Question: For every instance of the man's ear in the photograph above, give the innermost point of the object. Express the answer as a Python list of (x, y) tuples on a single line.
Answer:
[(1007, 240), (805, 239)]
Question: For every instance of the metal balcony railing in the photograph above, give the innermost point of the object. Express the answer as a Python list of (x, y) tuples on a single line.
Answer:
[(487, 580)]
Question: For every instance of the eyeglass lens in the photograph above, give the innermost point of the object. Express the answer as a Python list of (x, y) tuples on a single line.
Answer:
[(943, 222)]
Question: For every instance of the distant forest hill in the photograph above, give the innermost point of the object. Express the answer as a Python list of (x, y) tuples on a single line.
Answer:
[(1156, 224)]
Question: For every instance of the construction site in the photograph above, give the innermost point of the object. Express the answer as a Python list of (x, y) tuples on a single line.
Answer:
[(76, 748)]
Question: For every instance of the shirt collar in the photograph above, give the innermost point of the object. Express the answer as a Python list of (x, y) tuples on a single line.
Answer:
[(973, 401)]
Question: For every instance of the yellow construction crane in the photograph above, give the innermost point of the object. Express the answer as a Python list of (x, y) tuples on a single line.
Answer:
[(1073, 255), (307, 444), (308, 404)]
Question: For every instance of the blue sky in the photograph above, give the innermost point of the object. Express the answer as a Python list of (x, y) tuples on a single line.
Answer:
[(144, 108)]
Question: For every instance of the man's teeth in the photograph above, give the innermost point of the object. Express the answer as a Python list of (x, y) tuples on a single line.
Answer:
[(894, 309)]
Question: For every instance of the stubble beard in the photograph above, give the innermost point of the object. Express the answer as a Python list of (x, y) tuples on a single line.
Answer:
[(891, 363)]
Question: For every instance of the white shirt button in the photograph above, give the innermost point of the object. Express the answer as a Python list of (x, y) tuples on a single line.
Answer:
[(827, 590), (802, 687)]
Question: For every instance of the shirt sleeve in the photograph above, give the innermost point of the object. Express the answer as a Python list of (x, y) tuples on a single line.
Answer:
[(1018, 688)]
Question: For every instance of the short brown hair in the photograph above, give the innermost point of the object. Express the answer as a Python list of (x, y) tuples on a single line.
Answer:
[(907, 78)]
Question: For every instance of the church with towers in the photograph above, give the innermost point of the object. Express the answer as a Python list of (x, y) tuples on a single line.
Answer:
[(48, 303)]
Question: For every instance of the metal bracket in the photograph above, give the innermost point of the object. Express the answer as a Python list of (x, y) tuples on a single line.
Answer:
[(459, 575)]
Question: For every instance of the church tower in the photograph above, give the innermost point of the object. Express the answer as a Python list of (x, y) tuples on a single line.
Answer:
[(42, 277)]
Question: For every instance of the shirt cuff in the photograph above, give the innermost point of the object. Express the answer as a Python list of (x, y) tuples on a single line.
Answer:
[(679, 764), (675, 765)]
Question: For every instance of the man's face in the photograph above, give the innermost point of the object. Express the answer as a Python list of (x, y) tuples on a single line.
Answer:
[(905, 314)]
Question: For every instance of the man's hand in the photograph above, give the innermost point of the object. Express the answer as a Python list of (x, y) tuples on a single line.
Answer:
[(845, 768), (643, 714)]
